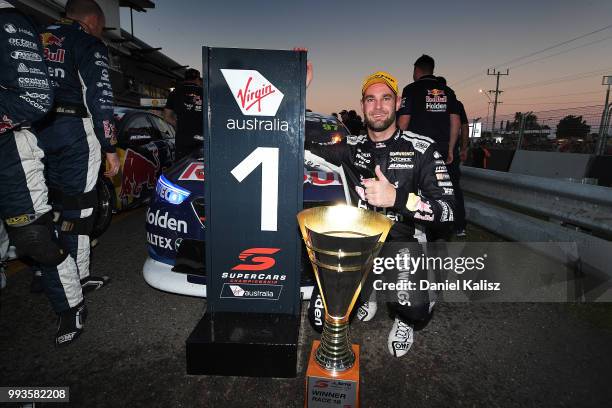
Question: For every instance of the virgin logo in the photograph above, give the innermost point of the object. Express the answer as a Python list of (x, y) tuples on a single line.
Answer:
[(254, 94), (248, 97)]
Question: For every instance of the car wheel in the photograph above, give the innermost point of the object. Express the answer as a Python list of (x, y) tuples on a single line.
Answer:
[(106, 204)]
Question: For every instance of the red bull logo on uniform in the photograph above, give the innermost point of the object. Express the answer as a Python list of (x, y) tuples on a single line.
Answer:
[(435, 100), (138, 172), (48, 39), (435, 96)]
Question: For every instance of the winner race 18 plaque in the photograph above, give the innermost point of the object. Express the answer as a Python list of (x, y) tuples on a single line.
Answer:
[(254, 107)]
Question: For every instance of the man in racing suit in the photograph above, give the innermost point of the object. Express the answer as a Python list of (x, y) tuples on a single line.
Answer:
[(79, 125), (400, 174), (25, 96)]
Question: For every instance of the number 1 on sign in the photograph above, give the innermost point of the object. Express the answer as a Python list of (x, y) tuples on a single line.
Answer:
[(268, 158)]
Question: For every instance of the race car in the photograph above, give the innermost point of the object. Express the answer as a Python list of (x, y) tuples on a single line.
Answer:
[(145, 145), (175, 218)]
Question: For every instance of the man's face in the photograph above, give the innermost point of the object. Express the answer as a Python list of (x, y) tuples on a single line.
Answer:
[(379, 104)]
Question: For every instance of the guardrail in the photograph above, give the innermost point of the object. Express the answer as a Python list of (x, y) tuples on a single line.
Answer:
[(583, 205), (537, 209)]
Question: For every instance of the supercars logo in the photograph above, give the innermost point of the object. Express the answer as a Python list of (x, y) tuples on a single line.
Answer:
[(255, 262), (254, 94), (138, 172), (193, 172)]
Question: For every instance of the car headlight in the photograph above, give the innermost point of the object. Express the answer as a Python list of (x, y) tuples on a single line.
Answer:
[(170, 192)]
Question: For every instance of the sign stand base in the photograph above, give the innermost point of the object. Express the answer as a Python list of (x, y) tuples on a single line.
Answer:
[(244, 344), (325, 390)]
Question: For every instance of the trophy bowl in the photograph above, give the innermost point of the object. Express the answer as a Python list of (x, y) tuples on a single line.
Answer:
[(342, 242)]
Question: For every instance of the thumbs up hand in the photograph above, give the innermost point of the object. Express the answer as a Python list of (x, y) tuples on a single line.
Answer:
[(379, 192)]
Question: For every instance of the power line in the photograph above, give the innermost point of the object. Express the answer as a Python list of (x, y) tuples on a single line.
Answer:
[(544, 103), (572, 77), (554, 46), (561, 52), (471, 77)]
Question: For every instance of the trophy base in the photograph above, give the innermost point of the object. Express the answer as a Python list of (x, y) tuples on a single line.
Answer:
[(326, 389), (244, 344)]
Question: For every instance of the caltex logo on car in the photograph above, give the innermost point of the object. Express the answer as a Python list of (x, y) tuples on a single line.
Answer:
[(254, 94)]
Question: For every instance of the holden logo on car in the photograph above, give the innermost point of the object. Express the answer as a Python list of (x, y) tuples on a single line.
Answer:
[(254, 94)]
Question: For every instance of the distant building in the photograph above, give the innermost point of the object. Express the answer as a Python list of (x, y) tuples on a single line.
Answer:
[(138, 70)]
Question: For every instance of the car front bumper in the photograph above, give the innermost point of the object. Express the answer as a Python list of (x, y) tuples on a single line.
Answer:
[(160, 276)]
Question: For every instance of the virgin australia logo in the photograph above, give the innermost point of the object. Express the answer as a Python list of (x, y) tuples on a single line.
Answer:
[(254, 94)]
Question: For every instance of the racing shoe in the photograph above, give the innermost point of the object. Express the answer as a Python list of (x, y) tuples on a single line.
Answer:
[(368, 309), (461, 233), (400, 338), (91, 283), (70, 325)]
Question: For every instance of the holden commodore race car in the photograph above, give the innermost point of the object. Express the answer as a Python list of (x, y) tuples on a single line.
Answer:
[(175, 218), (145, 145)]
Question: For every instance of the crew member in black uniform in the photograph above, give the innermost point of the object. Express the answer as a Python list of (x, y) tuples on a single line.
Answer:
[(79, 127), (430, 108), (184, 110), (454, 170), (26, 95), (400, 174)]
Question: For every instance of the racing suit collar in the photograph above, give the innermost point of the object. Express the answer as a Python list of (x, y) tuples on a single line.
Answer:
[(385, 143)]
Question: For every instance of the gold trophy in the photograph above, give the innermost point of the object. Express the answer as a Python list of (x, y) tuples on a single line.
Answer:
[(342, 242)]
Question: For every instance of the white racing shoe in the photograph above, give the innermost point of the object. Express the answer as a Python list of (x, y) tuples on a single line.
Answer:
[(400, 338), (368, 309)]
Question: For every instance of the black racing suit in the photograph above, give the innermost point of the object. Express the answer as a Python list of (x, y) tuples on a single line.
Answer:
[(424, 192), (80, 125), (26, 96)]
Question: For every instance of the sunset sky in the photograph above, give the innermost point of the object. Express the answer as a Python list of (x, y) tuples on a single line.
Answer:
[(347, 40)]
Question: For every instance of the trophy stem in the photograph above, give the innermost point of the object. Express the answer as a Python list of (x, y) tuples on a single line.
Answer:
[(335, 352)]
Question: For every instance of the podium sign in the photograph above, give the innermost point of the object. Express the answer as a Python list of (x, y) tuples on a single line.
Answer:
[(254, 107)]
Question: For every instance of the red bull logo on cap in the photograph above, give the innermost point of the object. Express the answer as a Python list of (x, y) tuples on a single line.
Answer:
[(138, 172)]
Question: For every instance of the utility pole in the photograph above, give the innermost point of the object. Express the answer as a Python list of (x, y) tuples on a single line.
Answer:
[(601, 148), (497, 73)]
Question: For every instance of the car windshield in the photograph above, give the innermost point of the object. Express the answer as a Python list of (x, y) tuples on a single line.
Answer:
[(324, 129)]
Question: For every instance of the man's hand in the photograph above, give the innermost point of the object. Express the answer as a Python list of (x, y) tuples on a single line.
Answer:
[(379, 193), (450, 157), (112, 165), (463, 155)]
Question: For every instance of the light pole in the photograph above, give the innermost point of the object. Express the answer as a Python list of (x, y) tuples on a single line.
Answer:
[(488, 108)]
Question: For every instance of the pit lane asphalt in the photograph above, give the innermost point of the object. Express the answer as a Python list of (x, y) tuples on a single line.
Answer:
[(470, 355)]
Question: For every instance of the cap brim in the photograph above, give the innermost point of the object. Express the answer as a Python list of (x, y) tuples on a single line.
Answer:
[(377, 81)]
